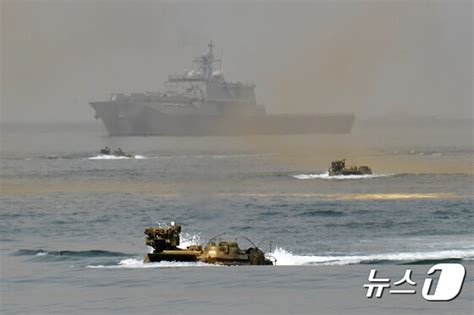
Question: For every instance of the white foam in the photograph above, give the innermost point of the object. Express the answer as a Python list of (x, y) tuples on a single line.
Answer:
[(286, 258), (135, 263), (113, 157), (338, 177)]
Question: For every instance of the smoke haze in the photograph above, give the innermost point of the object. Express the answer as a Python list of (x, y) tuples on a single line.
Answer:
[(371, 58)]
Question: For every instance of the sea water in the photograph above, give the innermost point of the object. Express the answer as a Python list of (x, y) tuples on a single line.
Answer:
[(72, 221)]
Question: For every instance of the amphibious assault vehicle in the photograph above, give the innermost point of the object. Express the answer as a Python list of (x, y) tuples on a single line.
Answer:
[(165, 242), (338, 167), (117, 153)]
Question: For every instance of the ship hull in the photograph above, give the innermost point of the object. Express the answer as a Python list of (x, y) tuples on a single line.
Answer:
[(142, 120)]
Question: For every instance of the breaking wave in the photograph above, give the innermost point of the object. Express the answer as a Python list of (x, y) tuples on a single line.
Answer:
[(70, 253), (338, 177), (103, 259), (113, 157), (134, 263), (286, 258)]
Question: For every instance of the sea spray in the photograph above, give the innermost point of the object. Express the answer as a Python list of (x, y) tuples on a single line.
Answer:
[(339, 177)]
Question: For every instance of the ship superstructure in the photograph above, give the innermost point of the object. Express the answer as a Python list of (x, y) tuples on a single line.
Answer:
[(201, 102)]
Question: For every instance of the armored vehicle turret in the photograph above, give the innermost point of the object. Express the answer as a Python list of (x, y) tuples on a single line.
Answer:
[(105, 151), (165, 242)]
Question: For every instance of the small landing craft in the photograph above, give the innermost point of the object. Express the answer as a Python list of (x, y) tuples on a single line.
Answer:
[(338, 168), (117, 153), (165, 242)]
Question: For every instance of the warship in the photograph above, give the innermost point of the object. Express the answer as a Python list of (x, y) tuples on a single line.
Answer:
[(165, 242), (338, 168), (200, 102)]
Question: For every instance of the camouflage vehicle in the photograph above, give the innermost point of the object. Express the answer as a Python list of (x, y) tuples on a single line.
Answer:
[(105, 151), (119, 152), (338, 167), (165, 242)]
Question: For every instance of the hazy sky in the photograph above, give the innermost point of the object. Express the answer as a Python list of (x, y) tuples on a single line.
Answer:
[(365, 57)]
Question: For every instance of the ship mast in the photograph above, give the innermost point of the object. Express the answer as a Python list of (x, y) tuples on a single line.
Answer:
[(210, 45), (207, 60)]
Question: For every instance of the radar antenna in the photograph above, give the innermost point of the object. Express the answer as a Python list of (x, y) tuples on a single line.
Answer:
[(210, 45)]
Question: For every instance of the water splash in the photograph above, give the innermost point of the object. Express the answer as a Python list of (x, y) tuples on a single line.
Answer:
[(113, 157), (136, 263), (339, 177), (189, 239), (287, 258)]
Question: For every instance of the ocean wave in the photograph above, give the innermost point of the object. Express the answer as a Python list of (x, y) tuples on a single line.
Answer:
[(218, 156), (393, 196), (338, 177), (323, 213), (136, 263), (286, 258), (113, 157), (69, 253), (235, 156), (282, 257)]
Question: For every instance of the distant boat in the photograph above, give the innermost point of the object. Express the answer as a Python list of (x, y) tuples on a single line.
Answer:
[(116, 153), (338, 168), (201, 102)]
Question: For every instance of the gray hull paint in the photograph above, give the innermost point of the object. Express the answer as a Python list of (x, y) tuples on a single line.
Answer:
[(200, 102), (142, 120)]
